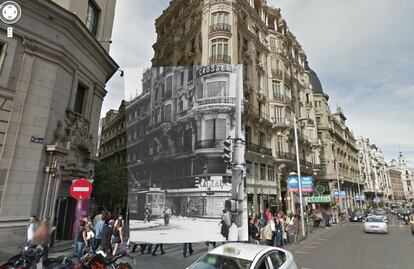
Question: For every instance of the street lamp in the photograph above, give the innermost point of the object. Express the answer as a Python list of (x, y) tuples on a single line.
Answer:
[(299, 177), (339, 185)]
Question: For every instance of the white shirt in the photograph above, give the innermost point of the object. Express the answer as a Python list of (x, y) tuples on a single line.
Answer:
[(30, 233)]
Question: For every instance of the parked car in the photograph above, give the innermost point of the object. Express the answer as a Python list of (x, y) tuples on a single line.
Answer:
[(412, 223), (245, 256), (356, 216), (375, 224)]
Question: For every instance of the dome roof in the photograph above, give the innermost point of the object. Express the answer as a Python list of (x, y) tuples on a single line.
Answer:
[(315, 82)]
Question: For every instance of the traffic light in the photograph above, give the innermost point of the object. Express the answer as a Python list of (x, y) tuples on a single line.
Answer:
[(228, 152)]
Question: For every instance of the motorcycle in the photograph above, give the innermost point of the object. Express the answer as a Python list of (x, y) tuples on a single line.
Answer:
[(98, 259), (406, 220), (27, 258)]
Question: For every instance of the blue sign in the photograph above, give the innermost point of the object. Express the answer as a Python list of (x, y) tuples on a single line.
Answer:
[(360, 197), (343, 194), (376, 200), (306, 181)]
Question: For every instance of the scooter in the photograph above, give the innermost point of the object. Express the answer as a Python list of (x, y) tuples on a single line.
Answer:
[(406, 220), (26, 259)]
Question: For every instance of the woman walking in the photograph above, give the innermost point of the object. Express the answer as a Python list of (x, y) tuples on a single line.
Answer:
[(117, 237), (81, 239), (267, 233), (41, 237)]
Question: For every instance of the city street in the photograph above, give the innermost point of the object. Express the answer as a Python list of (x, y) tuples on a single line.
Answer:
[(347, 246), (179, 230)]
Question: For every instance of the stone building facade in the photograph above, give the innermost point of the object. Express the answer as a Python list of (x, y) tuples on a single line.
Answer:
[(175, 133), (396, 180), (276, 83), (112, 144), (339, 153), (374, 171), (406, 176), (52, 84)]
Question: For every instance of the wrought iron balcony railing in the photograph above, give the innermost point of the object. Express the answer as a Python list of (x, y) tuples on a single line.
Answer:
[(220, 27), (220, 59)]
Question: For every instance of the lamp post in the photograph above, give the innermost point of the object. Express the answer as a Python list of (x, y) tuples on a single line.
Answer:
[(359, 181), (299, 176), (339, 185)]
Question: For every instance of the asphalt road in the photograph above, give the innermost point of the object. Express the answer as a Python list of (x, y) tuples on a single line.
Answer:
[(347, 246)]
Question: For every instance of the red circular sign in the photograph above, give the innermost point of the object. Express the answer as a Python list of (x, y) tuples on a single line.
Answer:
[(81, 189)]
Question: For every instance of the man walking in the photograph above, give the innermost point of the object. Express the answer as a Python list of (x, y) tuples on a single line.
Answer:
[(30, 229), (167, 215), (100, 224), (190, 249), (106, 236)]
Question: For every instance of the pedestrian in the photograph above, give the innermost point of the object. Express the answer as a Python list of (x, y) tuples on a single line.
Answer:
[(117, 237), (255, 237), (296, 228), (167, 215), (278, 242), (147, 213), (106, 236), (81, 239), (41, 237), (190, 249), (155, 249), (267, 233), (31, 229), (225, 221), (90, 235), (99, 225)]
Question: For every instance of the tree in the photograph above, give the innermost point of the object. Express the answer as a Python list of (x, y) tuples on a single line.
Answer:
[(110, 187)]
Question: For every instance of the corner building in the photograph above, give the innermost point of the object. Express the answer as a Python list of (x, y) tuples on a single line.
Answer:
[(175, 133), (52, 84), (276, 84)]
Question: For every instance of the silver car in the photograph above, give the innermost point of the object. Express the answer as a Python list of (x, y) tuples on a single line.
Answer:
[(375, 224), (245, 256)]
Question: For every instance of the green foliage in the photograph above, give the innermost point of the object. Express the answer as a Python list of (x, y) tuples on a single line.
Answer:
[(110, 187)]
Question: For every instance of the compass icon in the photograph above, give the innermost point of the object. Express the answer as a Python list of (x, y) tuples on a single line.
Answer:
[(10, 12)]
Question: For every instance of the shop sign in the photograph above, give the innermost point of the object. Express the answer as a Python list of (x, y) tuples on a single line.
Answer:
[(318, 199), (306, 181), (214, 68)]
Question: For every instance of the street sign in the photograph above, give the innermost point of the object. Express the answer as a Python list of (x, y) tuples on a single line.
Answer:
[(320, 189), (318, 199), (307, 183), (81, 189), (360, 198), (343, 194)]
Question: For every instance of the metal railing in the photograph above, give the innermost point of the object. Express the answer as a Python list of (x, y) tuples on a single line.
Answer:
[(216, 100), (282, 98), (220, 59), (285, 155), (255, 110), (209, 144), (258, 149), (220, 27)]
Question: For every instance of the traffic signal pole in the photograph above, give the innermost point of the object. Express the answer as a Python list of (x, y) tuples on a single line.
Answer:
[(238, 157)]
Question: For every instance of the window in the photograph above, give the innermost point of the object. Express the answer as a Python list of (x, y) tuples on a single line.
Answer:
[(262, 171), (80, 99), (273, 44), (270, 173), (220, 49), (168, 87), (92, 17), (215, 129), (216, 88), (277, 258), (190, 74), (167, 112), (276, 89), (278, 114), (220, 18)]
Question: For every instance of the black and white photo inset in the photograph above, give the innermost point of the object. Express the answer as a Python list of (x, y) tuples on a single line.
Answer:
[(185, 155)]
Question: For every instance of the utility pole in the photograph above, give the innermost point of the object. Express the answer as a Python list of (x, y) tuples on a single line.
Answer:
[(339, 186), (299, 178), (359, 181)]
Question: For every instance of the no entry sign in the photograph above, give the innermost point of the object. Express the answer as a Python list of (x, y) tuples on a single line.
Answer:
[(81, 189)]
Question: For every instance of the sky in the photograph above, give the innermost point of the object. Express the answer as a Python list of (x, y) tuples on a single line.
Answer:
[(362, 51)]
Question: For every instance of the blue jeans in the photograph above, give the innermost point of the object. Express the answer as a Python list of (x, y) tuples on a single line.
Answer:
[(79, 249)]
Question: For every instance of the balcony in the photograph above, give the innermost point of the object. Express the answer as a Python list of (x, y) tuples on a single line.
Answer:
[(259, 149), (209, 144), (255, 111), (220, 27), (285, 156), (277, 74), (282, 123), (282, 98), (223, 103), (220, 59)]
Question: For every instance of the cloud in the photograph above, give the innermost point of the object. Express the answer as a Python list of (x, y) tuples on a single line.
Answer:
[(361, 50)]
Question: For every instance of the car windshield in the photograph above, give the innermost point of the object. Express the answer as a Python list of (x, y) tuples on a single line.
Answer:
[(375, 220), (212, 261)]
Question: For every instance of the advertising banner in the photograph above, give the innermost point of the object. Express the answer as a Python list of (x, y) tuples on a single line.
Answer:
[(306, 181)]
